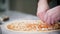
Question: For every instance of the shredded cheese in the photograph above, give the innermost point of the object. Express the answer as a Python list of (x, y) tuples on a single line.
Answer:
[(31, 26)]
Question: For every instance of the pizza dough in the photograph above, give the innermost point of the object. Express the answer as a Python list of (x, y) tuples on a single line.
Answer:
[(31, 25)]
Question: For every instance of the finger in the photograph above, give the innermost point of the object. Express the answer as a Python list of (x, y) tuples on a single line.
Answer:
[(52, 20), (49, 20), (53, 17), (45, 17)]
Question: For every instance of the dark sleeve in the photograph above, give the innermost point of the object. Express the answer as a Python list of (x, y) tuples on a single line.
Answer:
[(53, 3), (58, 2)]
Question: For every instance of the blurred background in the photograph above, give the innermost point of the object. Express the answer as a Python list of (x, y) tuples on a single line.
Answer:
[(11, 7), (26, 6)]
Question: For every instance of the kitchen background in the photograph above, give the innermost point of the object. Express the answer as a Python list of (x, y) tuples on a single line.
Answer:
[(19, 8), (26, 6)]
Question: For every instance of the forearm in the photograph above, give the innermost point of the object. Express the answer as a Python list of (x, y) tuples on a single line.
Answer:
[(42, 6)]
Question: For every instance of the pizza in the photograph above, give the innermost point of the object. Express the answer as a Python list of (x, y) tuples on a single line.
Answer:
[(31, 25)]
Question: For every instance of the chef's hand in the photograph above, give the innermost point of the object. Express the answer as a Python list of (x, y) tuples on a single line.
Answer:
[(47, 15), (52, 15)]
